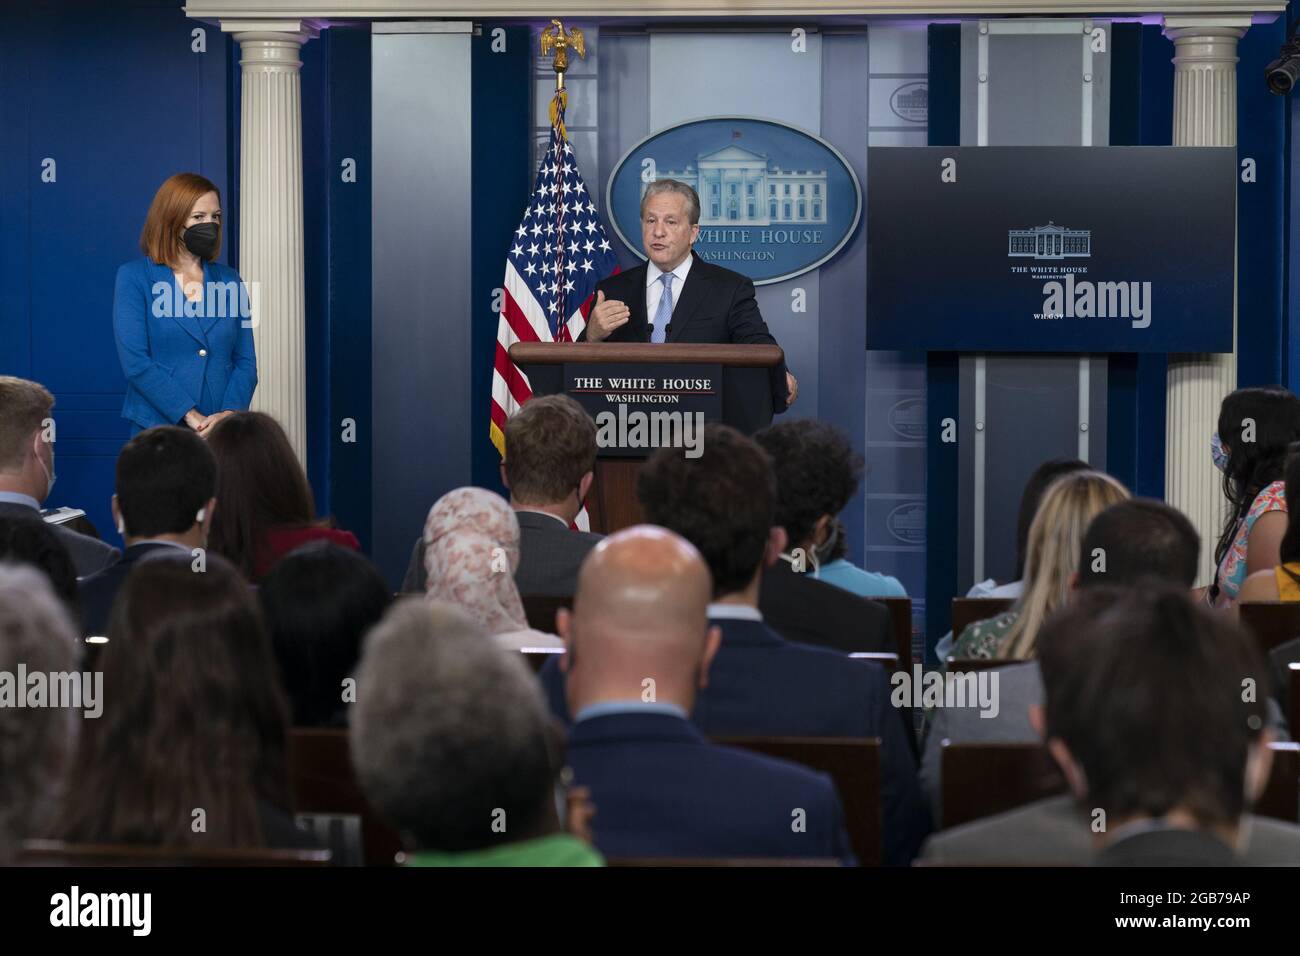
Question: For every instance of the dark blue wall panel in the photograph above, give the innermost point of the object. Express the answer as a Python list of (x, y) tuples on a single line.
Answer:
[(114, 94), (501, 144), (1261, 211), (336, 232), (1142, 105)]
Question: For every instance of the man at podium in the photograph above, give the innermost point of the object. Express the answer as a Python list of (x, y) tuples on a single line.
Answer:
[(677, 296)]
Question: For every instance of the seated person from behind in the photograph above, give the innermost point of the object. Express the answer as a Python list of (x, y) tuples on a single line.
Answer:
[(1142, 708), (548, 468), (1030, 499), (1051, 559), (661, 789), (166, 480), (471, 550), (1281, 583), (795, 605), (1150, 728), (817, 473), (194, 717), (760, 684), (37, 633), (267, 508), (1134, 543), (27, 468), (319, 601), (454, 748)]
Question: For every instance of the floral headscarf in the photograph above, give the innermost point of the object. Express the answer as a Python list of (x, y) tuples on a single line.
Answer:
[(471, 551)]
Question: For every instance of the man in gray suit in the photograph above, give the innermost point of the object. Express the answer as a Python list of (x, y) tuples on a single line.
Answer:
[(27, 467), (548, 468), (1144, 713), (1134, 542)]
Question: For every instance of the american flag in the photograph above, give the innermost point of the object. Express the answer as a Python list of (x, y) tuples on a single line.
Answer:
[(557, 255)]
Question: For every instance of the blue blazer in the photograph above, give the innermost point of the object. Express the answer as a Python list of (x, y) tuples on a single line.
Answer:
[(173, 358), (662, 790), (761, 685)]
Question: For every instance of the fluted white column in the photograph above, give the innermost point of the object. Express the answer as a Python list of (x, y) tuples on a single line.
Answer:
[(270, 214), (1205, 114)]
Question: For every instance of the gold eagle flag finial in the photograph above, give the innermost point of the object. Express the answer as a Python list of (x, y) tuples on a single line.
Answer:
[(556, 38)]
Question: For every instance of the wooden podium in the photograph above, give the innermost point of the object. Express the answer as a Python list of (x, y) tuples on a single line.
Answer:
[(742, 398)]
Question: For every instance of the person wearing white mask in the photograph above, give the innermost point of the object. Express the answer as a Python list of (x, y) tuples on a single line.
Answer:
[(27, 476), (166, 481)]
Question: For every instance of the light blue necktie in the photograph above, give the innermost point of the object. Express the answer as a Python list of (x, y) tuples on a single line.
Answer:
[(663, 314)]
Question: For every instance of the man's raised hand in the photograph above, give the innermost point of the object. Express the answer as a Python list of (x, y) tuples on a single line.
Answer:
[(606, 316)]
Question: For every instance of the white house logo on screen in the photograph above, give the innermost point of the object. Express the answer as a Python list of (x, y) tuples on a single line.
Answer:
[(907, 522), (775, 201), (1049, 242), (911, 102), (907, 419)]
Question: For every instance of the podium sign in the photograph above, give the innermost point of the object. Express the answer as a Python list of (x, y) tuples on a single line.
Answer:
[(639, 407), (1051, 249)]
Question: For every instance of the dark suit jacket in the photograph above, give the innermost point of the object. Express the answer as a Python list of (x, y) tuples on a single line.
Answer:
[(549, 557), (97, 592), (662, 790), (88, 554), (1168, 846), (809, 611), (761, 685), (714, 305)]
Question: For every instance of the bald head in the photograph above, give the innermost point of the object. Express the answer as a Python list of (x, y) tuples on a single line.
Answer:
[(640, 613)]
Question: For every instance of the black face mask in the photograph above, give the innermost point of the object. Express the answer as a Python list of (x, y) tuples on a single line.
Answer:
[(201, 239)]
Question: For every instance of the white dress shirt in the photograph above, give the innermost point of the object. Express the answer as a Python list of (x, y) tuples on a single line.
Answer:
[(654, 289)]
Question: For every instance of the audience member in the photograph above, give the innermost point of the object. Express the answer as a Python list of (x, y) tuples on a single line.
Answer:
[(817, 473), (453, 745), (1132, 543), (1150, 725), (1052, 557), (548, 468), (166, 479), (1144, 711), (26, 539), (760, 684), (639, 647), (795, 605), (27, 467), (191, 747), (267, 509), (1256, 426), (1030, 498), (36, 743), (319, 601), (471, 550), (1281, 583)]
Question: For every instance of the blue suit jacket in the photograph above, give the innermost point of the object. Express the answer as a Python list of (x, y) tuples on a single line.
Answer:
[(97, 592), (763, 685), (662, 790), (175, 361)]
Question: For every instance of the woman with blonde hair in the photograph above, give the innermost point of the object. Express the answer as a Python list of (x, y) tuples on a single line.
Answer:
[(1051, 559)]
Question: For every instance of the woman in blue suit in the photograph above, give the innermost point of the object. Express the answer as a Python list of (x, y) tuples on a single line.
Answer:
[(181, 320)]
